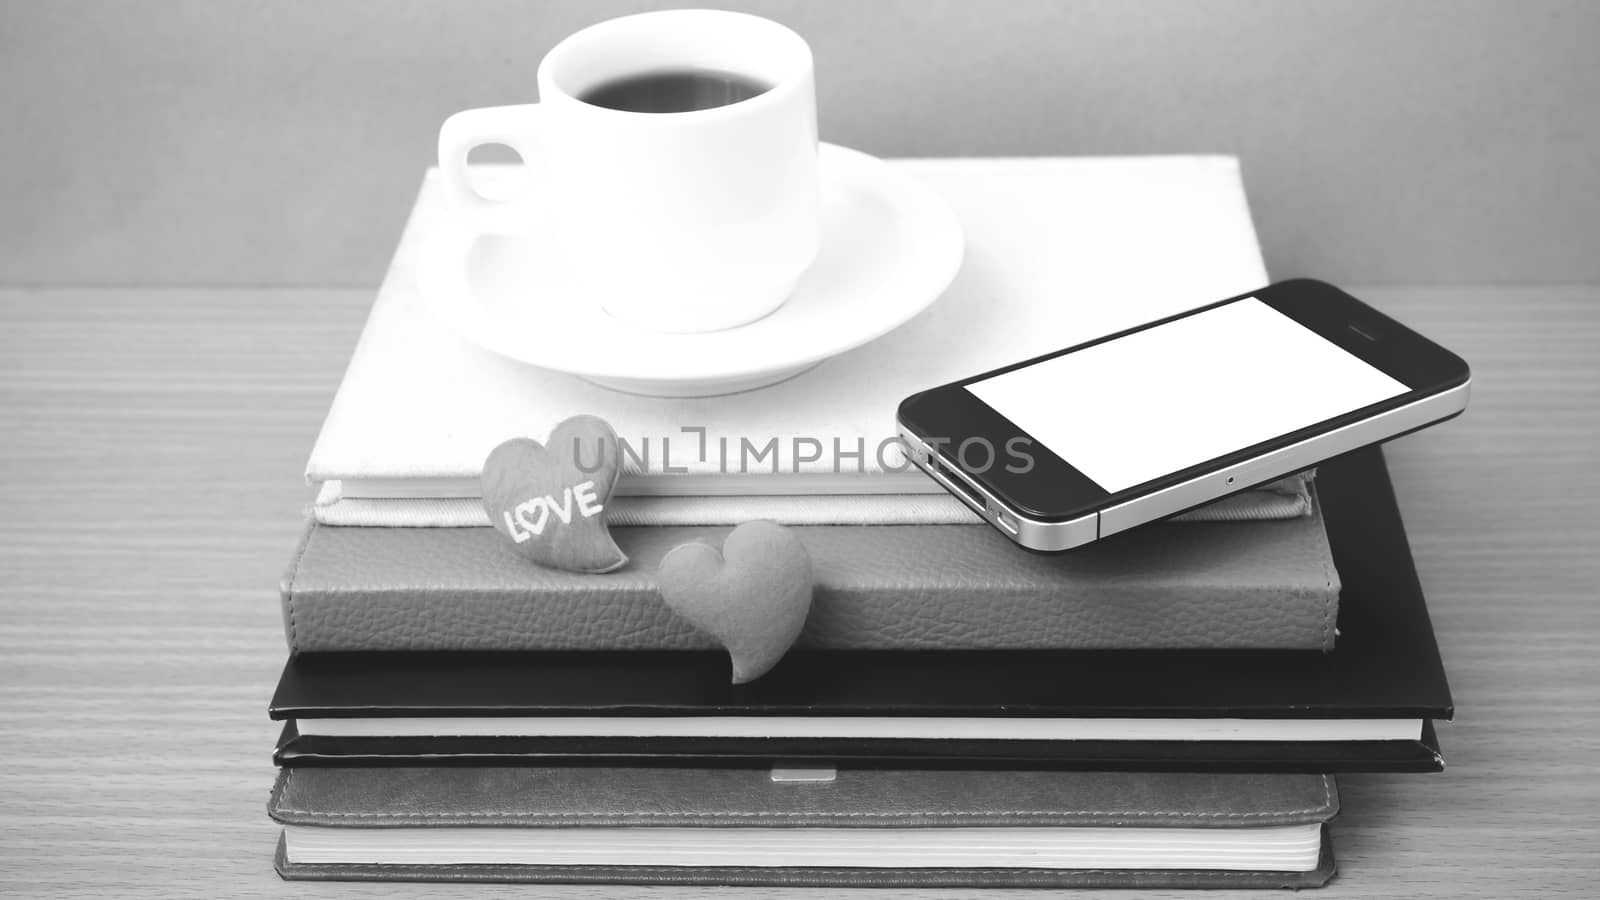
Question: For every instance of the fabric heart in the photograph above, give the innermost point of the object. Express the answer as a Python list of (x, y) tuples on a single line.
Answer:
[(752, 597), (550, 500)]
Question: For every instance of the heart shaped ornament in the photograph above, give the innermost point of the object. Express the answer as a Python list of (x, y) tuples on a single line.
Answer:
[(752, 596), (550, 499)]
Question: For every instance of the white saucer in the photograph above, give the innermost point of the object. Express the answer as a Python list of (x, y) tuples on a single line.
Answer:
[(890, 246)]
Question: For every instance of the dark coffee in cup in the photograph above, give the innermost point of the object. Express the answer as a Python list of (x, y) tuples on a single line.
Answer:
[(674, 91), (715, 214)]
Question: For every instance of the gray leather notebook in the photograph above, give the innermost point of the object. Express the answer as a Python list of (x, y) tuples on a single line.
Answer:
[(805, 827), (1194, 585)]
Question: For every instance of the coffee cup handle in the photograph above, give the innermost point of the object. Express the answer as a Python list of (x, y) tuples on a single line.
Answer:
[(514, 126)]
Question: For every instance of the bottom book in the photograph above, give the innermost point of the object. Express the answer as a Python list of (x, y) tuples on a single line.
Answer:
[(807, 826)]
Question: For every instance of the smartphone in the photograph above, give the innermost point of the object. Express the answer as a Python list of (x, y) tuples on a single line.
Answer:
[(1077, 445)]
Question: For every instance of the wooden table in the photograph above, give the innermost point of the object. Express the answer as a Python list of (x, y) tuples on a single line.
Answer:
[(151, 493)]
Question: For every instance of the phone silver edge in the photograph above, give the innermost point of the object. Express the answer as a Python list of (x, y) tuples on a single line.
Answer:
[(1086, 529)]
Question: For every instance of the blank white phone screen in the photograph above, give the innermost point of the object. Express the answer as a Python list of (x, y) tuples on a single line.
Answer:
[(1146, 405)]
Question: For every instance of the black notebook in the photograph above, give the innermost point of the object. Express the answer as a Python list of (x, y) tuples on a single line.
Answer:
[(1367, 706)]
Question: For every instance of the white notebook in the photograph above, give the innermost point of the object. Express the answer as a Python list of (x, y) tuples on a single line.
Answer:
[(1058, 251)]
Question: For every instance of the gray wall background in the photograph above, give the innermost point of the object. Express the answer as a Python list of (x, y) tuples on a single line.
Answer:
[(242, 142)]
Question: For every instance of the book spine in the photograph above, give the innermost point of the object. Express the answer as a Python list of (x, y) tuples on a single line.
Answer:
[(845, 617)]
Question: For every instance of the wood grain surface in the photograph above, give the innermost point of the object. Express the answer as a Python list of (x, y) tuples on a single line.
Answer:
[(150, 494)]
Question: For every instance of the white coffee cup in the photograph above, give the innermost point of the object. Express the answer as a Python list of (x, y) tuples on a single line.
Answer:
[(671, 221)]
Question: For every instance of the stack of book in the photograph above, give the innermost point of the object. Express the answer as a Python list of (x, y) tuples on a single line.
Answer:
[(1167, 707)]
